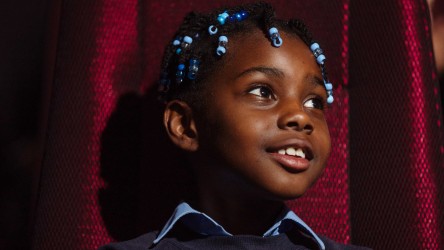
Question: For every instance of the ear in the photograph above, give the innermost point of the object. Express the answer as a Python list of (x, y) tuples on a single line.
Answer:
[(180, 125)]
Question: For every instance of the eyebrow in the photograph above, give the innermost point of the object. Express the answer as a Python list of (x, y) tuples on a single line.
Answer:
[(274, 72), (315, 80)]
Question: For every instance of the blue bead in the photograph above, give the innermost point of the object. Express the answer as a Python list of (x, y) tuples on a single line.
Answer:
[(220, 50), (244, 15), (231, 18), (194, 62), (328, 86), (188, 39), (221, 20), (272, 30), (314, 46), (238, 17), (178, 50), (212, 30), (181, 66), (223, 39), (192, 70), (277, 42), (176, 42), (320, 59), (330, 99)]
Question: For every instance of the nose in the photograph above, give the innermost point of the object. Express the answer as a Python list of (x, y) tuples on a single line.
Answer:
[(295, 118)]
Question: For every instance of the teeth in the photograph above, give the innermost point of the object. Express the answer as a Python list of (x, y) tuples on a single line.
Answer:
[(293, 152), (290, 151), (300, 153)]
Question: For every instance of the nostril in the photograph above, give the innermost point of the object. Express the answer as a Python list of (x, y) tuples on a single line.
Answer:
[(293, 125), (308, 128), (296, 126), (295, 119)]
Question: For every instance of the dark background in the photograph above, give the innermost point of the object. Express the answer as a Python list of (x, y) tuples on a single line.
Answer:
[(24, 30)]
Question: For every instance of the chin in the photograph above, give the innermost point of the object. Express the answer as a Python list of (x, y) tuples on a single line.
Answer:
[(287, 194)]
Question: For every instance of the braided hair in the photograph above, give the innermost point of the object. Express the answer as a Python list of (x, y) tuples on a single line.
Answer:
[(199, 56)]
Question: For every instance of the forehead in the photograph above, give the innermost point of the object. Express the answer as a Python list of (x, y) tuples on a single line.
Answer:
[(254, 49)]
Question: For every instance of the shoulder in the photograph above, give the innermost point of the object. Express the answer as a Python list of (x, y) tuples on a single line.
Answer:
[(141, 242), (332, 245)]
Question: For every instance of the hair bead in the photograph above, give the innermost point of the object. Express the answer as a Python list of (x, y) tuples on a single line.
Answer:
[(180, 73), (238, 16), (316, 49), (328, 86), (186, 42), (212, 30), (176, 42), (222, 17), (320, 59), (223, 40), (244, 15), (182, 55), (188, 39), (192, 70), (275, 37), (318, 53)]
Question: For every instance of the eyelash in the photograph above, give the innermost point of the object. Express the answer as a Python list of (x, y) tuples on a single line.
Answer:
[(318, 104), (267, 93), (262, 91)]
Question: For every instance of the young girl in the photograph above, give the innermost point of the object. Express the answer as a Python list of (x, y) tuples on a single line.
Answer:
[(245, 96)]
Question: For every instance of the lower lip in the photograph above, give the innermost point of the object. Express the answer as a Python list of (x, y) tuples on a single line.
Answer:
[(291, 163)]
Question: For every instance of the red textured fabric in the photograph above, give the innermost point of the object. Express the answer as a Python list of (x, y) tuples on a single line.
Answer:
[(325, 207), (107, 175), (396, 142), (97, 48)]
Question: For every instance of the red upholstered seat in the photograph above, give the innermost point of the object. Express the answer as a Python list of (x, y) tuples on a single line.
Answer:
[(107, 174)]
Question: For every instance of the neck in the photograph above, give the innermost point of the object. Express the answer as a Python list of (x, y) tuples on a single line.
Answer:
[(239, 214)]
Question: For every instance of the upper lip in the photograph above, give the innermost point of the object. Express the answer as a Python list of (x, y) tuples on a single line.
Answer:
[(295, 143)]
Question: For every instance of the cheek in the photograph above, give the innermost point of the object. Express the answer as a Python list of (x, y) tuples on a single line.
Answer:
[(325, 141)]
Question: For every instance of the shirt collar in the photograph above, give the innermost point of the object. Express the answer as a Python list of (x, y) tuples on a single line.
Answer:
[(203, 224)]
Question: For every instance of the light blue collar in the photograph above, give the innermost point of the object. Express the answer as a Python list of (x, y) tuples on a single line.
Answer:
[(205, 225)]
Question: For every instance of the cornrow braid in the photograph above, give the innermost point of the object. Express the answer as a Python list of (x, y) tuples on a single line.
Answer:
[(185, 66)]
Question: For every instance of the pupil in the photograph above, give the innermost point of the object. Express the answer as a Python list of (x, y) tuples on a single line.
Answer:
[(265, 92), (317, 104)]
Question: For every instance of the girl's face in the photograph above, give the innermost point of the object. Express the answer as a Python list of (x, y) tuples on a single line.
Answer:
[(264, 105)]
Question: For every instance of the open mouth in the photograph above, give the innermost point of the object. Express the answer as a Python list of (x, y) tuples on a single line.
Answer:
[(300, 152), (293, 158)]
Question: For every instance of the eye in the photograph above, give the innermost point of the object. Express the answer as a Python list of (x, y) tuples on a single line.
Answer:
[(316, 103), (262, 91)]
